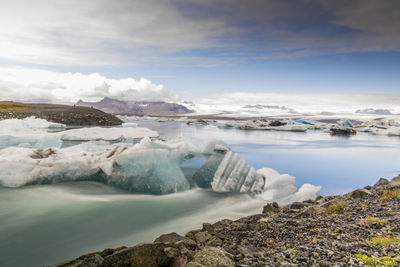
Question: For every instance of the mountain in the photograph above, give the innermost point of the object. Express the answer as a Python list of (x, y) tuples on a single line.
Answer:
[(375, 111), (116, 106)]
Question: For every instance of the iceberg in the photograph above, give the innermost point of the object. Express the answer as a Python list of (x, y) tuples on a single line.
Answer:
[(281, 188), (234, 175), (146, 167), (204, 176), (345, 123), (129, 124), (108, 134), (29, 132), (151, 166)]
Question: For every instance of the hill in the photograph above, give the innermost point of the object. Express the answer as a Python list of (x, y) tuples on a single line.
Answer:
[(69, 115)]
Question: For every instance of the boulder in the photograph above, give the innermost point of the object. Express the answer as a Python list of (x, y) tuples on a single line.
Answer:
[(298, 205), (251, 252), (180, 261), (169, 238), (271, 207), (382, 182), (395, 181), (202, 237), (151, 255), (212, 257), (360, 193)]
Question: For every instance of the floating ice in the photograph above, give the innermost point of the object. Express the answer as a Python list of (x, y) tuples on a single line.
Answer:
[(234, 175), (30, 125), (129, 124), (29, 132), (280, 187), (266, 125), (151, 166), (108, 134), (204, 176), (345, 123), (40, 134)]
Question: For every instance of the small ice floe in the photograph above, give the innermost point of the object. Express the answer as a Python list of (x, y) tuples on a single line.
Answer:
[(109, 134), (274, 125), (197, 122)]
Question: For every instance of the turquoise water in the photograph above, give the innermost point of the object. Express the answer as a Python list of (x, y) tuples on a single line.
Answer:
[(51, 223)]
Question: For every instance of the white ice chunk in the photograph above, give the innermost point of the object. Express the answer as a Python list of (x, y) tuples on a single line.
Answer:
[(107, 134), (29, 132), (147, 167), (209, 147), (234, 175), (129, 124), (281, 188), (27, 126)]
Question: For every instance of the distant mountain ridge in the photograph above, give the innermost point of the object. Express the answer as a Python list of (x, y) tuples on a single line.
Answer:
[(155, 108)]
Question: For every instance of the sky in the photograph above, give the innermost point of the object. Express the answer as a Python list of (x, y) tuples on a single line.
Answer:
[(199, 50)]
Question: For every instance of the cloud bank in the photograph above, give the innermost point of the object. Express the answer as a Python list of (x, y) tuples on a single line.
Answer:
[(34, 84), (307, 103)]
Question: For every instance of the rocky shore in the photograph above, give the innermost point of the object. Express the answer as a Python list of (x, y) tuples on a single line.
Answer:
[(361, 228), (69, 115)]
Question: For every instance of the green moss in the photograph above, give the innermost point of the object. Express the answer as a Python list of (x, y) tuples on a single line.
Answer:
[(336, 208), (390, 194), (384, 241), (12, 106), (372, 220), (375, 261)]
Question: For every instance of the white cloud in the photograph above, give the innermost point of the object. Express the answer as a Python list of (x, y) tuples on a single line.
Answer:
[(28, 84), (93, 32)]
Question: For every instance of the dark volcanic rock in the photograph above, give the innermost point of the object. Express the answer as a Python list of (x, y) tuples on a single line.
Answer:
[(382, 182), (69, 115), (342, 131), (277, 123), (169, 238), (360, 193), (271, 207), (151, 255)]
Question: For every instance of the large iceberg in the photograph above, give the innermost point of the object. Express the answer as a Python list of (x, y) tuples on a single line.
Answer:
[(150, 166)]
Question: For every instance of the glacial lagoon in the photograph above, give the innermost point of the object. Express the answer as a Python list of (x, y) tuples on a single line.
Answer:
[(44, 224)]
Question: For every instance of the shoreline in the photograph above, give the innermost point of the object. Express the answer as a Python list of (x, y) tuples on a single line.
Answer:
[(360, 227)]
